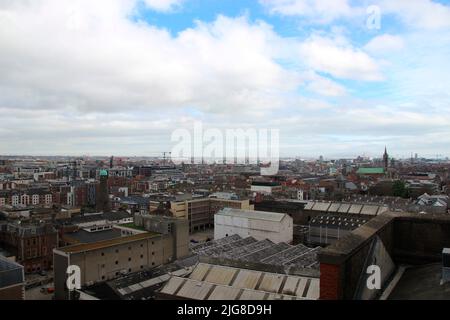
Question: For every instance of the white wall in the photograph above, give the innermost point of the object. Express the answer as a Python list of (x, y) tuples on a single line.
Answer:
[(259, 229)]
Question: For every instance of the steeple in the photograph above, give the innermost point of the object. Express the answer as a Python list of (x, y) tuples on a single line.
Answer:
[(385, 159)]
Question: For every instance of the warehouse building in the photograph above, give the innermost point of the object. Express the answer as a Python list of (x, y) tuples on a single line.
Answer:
[(166, 240), (216, 282), (261, 225), (263, 255)]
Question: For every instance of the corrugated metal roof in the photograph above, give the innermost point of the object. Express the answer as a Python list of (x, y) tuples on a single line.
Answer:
[(200, 271), (355, 209), (334, 207), (301, 287), (220, 275), (247, 279), (197, 290), (224, 293), (228, 283), (314, 289), (252, 295), (172, 285), (321, 206), (370, 210), (344, 208), (309, 205), (290, 286), (271, 282)]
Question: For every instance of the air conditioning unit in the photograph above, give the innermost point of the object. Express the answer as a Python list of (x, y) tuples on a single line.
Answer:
[(445, 265)]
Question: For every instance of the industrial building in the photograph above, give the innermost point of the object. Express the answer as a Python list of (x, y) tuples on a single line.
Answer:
[(262, 254), (326, 229), (313, 208), (200, 212), (261, 225), (216, 282), (166, 240)]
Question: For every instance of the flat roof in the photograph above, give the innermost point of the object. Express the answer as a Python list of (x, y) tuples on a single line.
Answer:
[(107, 243), (250, 214), (83, 236)]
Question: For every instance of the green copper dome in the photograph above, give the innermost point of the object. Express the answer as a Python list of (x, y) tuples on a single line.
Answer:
[(103, 173)]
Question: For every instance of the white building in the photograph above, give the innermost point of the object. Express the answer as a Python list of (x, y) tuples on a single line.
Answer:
[(277, 227)]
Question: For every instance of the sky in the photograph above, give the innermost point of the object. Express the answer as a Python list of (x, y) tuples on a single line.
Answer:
[(338, 78)]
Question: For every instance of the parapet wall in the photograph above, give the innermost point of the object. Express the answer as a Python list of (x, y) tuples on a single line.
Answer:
[(408, 238)]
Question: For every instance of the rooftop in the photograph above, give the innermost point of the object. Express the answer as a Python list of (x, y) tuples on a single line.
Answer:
[(83, 236), (250, 214), (263, 252), (11, 273), (107, 243), (213, 282), (370, 171), (421, 283)]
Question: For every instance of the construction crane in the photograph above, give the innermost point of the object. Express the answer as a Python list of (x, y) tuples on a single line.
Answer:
[(164, 154)]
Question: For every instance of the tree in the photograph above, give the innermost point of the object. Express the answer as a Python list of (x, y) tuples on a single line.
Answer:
[(399, 189)]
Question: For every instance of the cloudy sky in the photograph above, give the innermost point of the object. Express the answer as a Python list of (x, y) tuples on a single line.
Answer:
[(103, 77)]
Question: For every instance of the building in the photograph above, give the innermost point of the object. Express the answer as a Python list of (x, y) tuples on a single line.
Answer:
[(216, 282), (391, 241), (12, 280), (265, 187), (32, 244), (165, 240), (371, 172), (262, 255), (277, 227), (200, 212), (102, 199), (385, 159)]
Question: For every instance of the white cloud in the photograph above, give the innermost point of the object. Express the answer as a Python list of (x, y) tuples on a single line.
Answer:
[(339, 59), (384, 44), (324, 86), (90, 56), (163, 5), (318, 11), (419, 14), (82, 77)]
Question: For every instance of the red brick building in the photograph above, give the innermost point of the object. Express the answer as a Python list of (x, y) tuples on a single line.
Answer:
[(32, 244)]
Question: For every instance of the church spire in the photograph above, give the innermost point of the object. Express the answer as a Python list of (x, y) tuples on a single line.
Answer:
[(385, 158)]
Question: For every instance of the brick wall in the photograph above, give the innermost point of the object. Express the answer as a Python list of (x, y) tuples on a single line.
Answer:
[(329, 282)]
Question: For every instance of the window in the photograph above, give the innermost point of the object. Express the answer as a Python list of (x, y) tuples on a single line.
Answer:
[(103, 277), (142, 256), (117, 250), (117, 262), (129, 259), (153, 253), (103, 254), (103, 265), (142, 267), (129, 248), (153, 263)]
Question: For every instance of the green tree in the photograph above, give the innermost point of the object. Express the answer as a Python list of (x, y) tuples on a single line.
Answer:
[(399, 189)]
